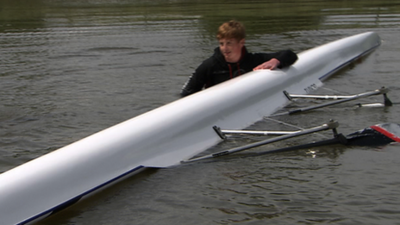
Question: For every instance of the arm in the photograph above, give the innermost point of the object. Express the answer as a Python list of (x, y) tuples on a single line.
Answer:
[(268, 65), (278, 60), (191, 86), (196, 82)]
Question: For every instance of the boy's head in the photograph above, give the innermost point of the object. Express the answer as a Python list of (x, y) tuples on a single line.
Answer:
[(232, 29), (231, 40)]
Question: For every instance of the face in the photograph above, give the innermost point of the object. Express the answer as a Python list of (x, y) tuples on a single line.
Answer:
[(231, 49)]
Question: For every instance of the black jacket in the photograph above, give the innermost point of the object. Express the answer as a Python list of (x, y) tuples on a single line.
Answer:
[(215, 69)]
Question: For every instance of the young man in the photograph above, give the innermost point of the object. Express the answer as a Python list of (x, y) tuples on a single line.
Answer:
[(231, 59)]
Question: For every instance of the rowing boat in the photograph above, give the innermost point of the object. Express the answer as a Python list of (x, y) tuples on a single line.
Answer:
[(167, 135)]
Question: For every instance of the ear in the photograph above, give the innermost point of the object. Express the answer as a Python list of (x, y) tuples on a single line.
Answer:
[(242, 42)]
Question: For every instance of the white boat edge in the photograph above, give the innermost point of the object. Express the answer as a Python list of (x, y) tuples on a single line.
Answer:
[(167, 135)]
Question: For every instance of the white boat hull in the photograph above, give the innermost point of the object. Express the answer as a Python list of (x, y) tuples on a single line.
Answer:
[(165, 136)]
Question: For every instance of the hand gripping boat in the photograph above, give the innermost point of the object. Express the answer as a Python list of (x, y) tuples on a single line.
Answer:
[(167, 135)]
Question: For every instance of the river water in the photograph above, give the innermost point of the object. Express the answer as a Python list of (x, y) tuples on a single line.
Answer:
[(71, 68)]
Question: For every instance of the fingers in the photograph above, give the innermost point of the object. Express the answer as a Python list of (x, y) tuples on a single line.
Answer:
[(269, 65), (265, 66)]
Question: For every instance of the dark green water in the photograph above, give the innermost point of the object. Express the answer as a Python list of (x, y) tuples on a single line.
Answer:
[(71, 68)]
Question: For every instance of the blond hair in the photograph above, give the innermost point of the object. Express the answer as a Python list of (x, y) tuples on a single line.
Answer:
[(231, 29)]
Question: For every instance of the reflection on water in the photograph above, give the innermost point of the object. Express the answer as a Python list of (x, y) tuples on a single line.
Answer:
[(266, 17), (71, 68), (351, 21)]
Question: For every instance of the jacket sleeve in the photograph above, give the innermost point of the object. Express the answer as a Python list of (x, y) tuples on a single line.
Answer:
[(196, 82)]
